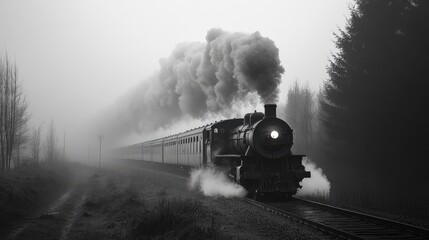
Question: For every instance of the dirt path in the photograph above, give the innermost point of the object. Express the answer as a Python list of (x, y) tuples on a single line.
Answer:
[(51, 210), (74, 216), (57, 219)]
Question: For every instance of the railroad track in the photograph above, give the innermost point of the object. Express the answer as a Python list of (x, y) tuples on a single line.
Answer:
[(342, 222), (338, 221)]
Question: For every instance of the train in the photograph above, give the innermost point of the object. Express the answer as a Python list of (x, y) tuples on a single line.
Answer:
[(254, 151)]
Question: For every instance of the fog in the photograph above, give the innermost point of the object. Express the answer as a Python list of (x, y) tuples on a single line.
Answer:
[(76, 59)]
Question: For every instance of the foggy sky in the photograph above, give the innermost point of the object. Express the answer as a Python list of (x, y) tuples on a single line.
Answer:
[(77, 58)]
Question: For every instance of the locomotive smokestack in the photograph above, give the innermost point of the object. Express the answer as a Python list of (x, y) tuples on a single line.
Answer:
[(270, 110)]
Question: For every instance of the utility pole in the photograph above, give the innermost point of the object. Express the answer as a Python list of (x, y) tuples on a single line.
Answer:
[(100, 137)]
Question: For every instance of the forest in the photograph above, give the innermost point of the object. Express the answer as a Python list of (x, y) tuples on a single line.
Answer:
[(367, 127)]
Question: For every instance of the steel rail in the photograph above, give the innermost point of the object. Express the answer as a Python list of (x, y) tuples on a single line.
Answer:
[(400, 225), (342, 222), (295, 217)]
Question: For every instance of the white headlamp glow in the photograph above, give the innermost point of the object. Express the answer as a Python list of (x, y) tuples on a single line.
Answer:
[(274, 134)]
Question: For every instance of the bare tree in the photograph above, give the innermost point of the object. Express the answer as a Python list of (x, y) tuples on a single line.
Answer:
[(13, 112), (35, 145), (51, 142), (22, 135)]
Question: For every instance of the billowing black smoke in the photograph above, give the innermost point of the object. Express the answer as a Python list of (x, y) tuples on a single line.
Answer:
[(199, 79)]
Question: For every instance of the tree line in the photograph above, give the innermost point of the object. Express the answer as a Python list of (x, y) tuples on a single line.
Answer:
[(18, 143), (367, 127)]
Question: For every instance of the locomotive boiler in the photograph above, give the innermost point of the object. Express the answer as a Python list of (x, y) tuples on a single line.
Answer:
[(255, 151)]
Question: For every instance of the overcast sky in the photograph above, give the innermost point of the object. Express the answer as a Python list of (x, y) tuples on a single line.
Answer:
[(77, 57)]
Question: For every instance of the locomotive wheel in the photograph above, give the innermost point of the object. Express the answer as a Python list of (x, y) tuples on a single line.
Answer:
[(285, 197), (255, 195)]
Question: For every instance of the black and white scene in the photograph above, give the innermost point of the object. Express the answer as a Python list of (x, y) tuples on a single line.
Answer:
[(235, 120)]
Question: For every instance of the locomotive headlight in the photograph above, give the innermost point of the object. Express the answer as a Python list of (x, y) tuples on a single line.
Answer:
[(274, 134)]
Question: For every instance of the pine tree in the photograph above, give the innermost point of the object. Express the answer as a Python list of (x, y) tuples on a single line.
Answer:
[(373, 106)]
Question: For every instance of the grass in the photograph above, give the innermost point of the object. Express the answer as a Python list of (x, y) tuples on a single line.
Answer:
[(178, 218), (119, 209)]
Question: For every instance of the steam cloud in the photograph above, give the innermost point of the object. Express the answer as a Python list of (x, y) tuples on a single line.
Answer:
[(317, 185), (214, 183), (199, 79)]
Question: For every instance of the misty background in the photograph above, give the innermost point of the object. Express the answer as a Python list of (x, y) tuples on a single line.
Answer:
[(349, 77), (77, 58)]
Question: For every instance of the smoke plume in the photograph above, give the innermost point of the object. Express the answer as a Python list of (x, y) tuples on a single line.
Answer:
[(200, 79), (318, 185), (213, 183)]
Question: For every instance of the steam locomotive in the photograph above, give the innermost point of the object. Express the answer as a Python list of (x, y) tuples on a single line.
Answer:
[(254, 151)]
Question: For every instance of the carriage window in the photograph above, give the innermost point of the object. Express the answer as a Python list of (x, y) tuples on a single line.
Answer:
[(215, 130)]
